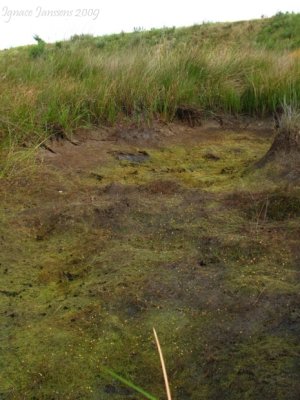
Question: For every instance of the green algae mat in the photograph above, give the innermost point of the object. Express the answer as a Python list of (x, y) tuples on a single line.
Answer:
[(130, 230)]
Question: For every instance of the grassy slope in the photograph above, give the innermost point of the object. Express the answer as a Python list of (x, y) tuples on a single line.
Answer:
[(243, 67)]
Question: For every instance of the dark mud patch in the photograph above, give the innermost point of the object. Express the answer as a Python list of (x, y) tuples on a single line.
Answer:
[(272, 206), (162, 187), (138, 135), (288, 314), (115, 189), (118, 389), (187, 286), (74, 218), (295, 248), (212, 157), (134, 158), (275, 207)]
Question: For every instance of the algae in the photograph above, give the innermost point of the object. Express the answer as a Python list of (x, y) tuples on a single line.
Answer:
[(89, 266)]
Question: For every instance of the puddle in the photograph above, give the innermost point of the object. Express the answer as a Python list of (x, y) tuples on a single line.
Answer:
[(136, 158)]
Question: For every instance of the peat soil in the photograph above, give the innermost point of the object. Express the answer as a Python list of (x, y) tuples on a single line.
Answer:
[(124, 229)]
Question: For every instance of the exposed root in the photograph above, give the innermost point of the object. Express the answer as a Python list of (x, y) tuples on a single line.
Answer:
[(44, 146), (188, 114)]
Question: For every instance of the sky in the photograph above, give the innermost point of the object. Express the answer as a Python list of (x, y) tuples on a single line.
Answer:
[(58, 20)]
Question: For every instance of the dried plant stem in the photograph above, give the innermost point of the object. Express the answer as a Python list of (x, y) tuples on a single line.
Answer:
[(163, 366)]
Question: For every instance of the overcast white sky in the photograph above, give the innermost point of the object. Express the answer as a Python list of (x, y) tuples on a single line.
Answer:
[(21, 19)]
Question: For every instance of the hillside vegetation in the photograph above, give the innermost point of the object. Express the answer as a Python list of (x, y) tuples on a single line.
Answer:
[(243, 67)]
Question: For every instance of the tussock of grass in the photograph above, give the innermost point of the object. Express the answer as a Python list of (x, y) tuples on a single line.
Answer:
[(286, 146)]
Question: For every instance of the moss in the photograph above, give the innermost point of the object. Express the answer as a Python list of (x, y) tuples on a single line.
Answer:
[(262, 367), (276, 206), (86, 274), (190, 165)]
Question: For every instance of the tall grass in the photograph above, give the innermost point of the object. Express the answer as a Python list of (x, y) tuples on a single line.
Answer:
[(79, 83)]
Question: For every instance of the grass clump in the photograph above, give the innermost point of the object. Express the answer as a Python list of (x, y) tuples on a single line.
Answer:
[(38, 49)]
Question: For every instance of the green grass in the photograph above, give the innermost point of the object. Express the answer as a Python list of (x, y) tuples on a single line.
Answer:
[(282, 32), (130, 384), (227, 68)]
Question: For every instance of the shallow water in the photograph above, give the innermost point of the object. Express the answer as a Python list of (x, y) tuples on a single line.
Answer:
[(89, 266), (135, 158)]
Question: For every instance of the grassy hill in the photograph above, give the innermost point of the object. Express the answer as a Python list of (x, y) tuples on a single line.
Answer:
[(243, 67)]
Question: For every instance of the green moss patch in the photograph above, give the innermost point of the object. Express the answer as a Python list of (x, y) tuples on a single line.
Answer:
[(89, 266)]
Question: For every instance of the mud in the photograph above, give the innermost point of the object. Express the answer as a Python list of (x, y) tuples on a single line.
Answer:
[(135, 158), (97, 249)]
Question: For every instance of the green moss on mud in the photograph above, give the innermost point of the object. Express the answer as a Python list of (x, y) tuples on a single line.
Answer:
[(87, 273), (212, 166)]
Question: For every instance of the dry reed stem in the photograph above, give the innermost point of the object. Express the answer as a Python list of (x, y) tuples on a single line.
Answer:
[(163, 366)]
